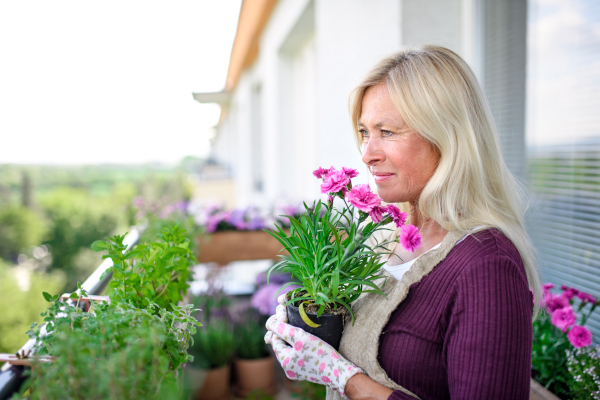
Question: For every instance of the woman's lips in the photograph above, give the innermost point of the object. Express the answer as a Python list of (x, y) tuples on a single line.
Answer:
[(382, 177)]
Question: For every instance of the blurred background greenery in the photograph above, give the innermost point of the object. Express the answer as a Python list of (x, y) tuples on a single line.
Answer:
[(49, 217)]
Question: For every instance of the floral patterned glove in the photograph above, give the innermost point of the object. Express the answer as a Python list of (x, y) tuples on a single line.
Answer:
[(309, 358)]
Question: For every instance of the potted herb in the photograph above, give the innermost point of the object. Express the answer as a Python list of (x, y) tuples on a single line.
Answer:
[(330, 255), (212, 350), (560, 329), (253, 364), (584, 367)]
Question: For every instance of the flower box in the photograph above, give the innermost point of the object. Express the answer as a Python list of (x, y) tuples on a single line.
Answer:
[(225, 247), (538, 392)]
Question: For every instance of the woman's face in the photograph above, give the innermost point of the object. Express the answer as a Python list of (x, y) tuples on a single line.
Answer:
[(400, 159)]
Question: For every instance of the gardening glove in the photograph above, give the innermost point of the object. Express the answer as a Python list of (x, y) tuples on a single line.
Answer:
[(309, 359), (280, 315)]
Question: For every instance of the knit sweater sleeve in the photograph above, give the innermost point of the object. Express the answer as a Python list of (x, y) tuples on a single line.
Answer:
[(487, 345), (489, 337)]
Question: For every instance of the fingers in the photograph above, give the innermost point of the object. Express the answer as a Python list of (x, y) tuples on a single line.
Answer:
[(280, 346), (281, 313), (281, 299), (268, 337)]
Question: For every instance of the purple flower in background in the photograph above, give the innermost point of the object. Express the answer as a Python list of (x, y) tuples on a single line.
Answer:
[(553, 302), (586, 297), (363, 198), (256, 223), (563, 318), (322, 173), (580, 336), (410, 238), (398, 217), (237, 219), (264, 299), (376, 213), (138, 202), (335, 182)]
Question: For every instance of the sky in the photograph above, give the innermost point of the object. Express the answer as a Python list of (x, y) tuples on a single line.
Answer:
[(110, 82)]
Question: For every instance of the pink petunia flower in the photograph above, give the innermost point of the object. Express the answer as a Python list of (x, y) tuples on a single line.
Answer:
[(580, 336), (298, 345), (563, 318), (586, 297), (363, 198), (398, 217), (376, 213), (291, 374), (410, 238), (335, 182), (350, 173), (322, 173), (554, 302)]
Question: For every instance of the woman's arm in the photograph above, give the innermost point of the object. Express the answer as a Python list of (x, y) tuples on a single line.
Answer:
[(488, 341), (361, 387)]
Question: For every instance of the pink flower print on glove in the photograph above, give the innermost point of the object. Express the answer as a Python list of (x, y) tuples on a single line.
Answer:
[(322, 366), (336, 373), (286, 361), (281, 328), (301, 362), (326, 379), (291, 374), (320, 352), (298, 346), (292, 331)]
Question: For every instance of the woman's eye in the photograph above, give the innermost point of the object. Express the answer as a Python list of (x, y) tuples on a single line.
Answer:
[(386, 133), (364, 133)]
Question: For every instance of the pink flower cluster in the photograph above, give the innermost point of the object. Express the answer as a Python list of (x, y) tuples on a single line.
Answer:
[(562, 314), (338, 183)]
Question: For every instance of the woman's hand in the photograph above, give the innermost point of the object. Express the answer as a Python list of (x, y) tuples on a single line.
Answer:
[(305, 357)]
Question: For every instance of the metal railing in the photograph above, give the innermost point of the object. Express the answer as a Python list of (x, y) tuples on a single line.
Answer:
[(12, 376)]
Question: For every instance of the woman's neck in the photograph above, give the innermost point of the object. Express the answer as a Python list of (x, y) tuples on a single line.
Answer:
[(431, 232)]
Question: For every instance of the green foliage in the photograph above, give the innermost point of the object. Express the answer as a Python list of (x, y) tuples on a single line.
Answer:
[(549, 357), (20, 227), (329, 257), (214, 345), (118, 353), (584, 370), (250, 337), (309, 390), (21, 307), (155, 272)]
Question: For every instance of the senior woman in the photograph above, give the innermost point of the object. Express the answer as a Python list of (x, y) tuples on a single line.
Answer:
[(456, 319)]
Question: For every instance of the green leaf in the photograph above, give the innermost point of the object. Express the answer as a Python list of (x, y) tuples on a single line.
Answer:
[(47, 296), (74, 295), (305, 318), (100, 245)]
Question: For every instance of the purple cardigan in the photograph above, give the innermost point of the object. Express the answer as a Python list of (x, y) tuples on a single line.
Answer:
[(464, 331)]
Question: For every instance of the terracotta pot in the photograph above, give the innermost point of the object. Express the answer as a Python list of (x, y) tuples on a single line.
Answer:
[(216, 385), (330, 329), (255, 375), (225, 247)]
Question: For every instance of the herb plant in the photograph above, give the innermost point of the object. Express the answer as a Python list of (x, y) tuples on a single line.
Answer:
[(330, 255), (250, 337), (154, 272), (214, 345)]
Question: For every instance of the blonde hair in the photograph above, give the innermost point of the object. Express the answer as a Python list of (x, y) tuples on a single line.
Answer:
[(438, 96)]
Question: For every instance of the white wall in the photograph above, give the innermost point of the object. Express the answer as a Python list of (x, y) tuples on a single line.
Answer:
[(312, 53)]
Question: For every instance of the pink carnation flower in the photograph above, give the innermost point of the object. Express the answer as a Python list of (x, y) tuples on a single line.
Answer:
[(570, 293), (554, 302), (548, 286), (350, 173), (376, 213), (322, 173), (586, 297), (563, 318), (363, 198), (398, 217), (335, 182), (410, 238), (580, 336)]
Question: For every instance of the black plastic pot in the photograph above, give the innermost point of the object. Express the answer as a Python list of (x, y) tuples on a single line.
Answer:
[(330, 331)]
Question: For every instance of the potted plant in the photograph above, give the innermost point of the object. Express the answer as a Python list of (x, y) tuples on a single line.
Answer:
[(330, 257), (558, 330), (212, 350), (253, 365), (235, 235)]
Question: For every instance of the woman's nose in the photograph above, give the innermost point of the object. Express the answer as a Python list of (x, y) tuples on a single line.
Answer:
[(371, 152)]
